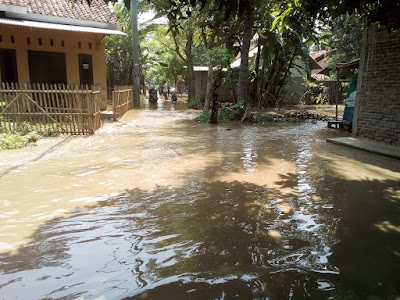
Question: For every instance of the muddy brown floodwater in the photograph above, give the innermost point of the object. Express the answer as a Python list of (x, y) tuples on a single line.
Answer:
[(160, 207)]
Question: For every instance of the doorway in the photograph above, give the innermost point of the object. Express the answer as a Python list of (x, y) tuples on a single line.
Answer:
[(8, 65), (85, 69)]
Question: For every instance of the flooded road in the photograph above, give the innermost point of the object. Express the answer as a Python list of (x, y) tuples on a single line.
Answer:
[(157, 206)]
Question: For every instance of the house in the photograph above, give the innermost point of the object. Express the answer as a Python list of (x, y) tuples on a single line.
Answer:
[(321, 72), (49, 41)]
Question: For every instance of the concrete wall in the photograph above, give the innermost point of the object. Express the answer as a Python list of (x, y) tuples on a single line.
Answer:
[(70, 48), (377, 115)]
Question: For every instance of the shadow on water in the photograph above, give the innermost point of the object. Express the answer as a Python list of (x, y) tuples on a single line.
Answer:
[(215, 241)]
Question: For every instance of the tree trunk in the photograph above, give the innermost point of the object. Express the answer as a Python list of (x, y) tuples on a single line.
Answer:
[(210, 82), (244, 58), (256, 88), (190, 69), (214, 104)]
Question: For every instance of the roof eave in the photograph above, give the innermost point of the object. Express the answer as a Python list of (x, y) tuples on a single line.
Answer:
[(62, 20), (63, 27)]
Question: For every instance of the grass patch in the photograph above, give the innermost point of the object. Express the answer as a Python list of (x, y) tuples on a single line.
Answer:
[(24, 134)]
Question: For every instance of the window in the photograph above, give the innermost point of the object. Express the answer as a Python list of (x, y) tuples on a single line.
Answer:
[(47, 67)]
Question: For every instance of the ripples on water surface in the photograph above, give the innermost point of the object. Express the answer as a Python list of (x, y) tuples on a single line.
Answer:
[(158, 207)]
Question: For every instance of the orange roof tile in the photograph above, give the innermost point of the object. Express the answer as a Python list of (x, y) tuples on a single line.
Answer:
[(98, 11)]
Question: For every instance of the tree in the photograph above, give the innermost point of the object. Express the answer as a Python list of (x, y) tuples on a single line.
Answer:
[(244, 52), (184, 37), (314, 13), (345, 40), (119, 51), (160, 63)]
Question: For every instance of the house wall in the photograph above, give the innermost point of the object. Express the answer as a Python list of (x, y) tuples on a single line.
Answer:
[(70, 48), (200, 84), (377, 113), (299, 70)]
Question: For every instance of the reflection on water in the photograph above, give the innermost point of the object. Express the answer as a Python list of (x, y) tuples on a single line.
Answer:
[(158, 207)]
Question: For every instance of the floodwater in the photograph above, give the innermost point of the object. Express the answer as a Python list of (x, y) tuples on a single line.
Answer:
[(157, 206)]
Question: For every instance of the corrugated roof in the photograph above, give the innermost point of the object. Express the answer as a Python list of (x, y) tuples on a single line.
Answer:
[(200, 68), (64, 27), (98, 11), (321, 58)]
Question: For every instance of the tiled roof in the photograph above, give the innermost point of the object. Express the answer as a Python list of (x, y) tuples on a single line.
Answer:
[(98, 10)]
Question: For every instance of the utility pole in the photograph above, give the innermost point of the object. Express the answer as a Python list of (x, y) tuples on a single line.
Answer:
[(135, 53)]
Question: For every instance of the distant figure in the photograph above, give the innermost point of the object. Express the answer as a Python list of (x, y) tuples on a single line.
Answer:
[(173, 94), (152, 95), (165, 91)]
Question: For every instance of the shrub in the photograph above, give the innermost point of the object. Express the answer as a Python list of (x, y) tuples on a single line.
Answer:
[(51, 131), (23, 134), (196, 103), (203, 117), (226, 115), (11, 141), (239, 109)]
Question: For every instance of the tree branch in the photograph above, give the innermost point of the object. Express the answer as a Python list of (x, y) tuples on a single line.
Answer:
[(177, 49), (231, 32)]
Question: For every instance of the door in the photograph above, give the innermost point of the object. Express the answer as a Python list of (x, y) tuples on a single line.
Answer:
[(8, 66), (85, 69)]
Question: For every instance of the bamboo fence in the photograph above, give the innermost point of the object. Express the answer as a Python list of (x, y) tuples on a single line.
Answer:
[(122, 97), (69, 109)]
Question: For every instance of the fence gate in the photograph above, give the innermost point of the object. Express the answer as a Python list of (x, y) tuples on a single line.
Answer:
[(69, 109)]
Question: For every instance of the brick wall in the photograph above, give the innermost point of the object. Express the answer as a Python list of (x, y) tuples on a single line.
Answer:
[(378, 98)]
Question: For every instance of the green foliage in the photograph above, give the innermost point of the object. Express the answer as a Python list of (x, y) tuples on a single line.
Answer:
[(309, 14), (225, 115), (203, 117), (345, 41), (23, 134), (24, 128), (220, 56), (314, 94), (119, 50), (239, 109), (12, 141), (50, 131), (271, 119), (196, 103)]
